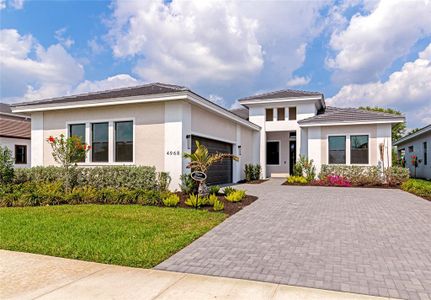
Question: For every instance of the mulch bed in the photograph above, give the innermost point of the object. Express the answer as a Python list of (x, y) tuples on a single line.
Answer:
[(230, 208)]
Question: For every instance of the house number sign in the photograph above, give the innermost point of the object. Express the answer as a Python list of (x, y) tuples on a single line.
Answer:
[(173, 152)]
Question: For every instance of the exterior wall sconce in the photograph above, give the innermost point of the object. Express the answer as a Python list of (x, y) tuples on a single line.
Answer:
[(189, 141), (239, 149)]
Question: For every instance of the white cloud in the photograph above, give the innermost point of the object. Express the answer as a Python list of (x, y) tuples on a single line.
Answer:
[(95, 46), (17, 4), (217, 100), (33, 71), (197, 41), (65, 41), (113, 82), (297, 81), (408, 90), (2, 4), (373, 41)]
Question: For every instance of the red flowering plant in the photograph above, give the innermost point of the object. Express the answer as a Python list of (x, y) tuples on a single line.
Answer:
[(415, 162), (333, 180), (68, 152)]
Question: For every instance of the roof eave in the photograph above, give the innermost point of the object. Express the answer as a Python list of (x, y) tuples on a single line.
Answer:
[(413, 135), (366, 122)]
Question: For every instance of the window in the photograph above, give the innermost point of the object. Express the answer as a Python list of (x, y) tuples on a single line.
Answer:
[(273, 153), (411, 149), (359, 149), (280, 114), (20, 154), (99, 141), (292, 113), (425, 153), (337, 149), (79, 131), (124, 141), (269, 114)]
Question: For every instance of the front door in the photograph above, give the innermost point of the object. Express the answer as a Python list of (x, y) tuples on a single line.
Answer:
[(292, 156)]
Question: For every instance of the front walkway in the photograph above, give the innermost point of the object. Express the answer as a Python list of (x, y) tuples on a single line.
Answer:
[(361, 240), (32, 276)]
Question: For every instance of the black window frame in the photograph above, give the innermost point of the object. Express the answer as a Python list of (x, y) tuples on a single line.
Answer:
[(329, 150), (269, 154), (116, 159), (24, 162), (425, 148), (94, 146), (82, 138), (354, 162)]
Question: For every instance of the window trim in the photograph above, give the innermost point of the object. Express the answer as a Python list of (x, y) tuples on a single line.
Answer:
[(348, 156), (115, 142), (111, 159), (350, 149), (345, 148), (279, 152), (25, 156)]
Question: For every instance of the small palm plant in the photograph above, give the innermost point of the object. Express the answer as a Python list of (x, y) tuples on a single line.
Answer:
[(201, 160)]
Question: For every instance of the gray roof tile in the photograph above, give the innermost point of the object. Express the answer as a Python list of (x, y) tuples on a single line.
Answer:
[(240, 112), (287, 93)]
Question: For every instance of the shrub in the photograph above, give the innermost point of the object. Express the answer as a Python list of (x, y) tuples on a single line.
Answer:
[(6, 165), (228, 190), (188, 185), (163, 181), (214, 189), (194, 201), (50, 193), (235, 196), (304, 168), (356, 175), (252, 172), (218, 205), (150, 197), (419, 187), (171, 201), (296, 180), (335, 180), (212, 199), (38, 174), (396, 175)]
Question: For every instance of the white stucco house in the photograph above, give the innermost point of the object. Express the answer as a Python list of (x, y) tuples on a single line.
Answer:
[(154, 124), (15, 134), (417, 143)]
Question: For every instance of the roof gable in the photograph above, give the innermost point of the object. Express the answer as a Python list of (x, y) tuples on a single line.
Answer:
[(286, 93)]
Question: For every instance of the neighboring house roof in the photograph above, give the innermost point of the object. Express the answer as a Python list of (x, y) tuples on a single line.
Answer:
[(287, 93), (151, 92), (13, 125), (241, 112), (339, 116), (426, 129)]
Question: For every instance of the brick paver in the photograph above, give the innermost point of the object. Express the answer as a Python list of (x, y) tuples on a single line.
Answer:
[(370, 241)]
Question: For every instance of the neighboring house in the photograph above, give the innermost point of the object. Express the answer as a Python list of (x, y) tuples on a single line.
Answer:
[(154, 124), (15, 134), (417, 143)]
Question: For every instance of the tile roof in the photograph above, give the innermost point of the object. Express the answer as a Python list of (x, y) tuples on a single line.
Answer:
[(287, 93), (140, 90), (240, 112), (336, 114), (423, 130), (5, 108), (15, 127)]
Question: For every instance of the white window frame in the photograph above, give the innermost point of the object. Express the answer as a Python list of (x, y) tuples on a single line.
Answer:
[(111, 140), (369, 150), (279, 152), (348, 156)]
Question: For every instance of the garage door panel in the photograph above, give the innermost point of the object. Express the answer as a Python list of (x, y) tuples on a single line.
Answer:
[(221, 172)]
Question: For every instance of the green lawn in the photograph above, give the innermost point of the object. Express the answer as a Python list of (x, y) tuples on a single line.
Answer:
[(129, 235)]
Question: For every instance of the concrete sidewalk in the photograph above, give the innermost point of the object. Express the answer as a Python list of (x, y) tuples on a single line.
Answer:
[(32, 276)]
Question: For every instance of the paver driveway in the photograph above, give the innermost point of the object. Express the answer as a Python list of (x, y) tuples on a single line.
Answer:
[(371, 241)]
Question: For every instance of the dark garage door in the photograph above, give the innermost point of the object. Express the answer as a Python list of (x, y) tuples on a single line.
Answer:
[(221, 172)]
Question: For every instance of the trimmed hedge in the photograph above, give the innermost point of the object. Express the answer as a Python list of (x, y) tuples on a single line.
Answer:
[(419, 187)]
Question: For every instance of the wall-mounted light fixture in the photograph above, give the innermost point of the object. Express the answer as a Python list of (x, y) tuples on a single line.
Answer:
[(239, 149), (189, 141)]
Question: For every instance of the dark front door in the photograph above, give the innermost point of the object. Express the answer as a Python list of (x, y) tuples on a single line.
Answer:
[(221, 172), (292, 156)]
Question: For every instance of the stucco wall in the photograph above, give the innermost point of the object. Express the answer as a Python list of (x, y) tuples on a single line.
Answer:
[(208, 124), (11, 142), (370, 130), (149, 128), (247, 151), (422, 171)]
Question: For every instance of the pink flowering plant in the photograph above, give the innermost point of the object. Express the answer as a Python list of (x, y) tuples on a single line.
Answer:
[(333, 180)]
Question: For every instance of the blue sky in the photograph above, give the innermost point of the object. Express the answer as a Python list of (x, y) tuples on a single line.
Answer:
[(355, 52)]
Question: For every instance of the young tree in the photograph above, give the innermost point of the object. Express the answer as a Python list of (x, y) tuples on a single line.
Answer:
[(68, 152), (397, 129), (6, 165)]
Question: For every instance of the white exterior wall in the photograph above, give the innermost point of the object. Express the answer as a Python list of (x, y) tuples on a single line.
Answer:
[(384, 137), (314, 146), (37, 140), (11, 142)]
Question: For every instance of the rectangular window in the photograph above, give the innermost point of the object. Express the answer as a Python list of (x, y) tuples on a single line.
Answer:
[(124, 141), (359, 149), (411, 149), (337, 149), (280, 114), (20, 154), (99, 141), (292, 113), (269, 114), (79, 131), (273, 153), (425, 153)]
